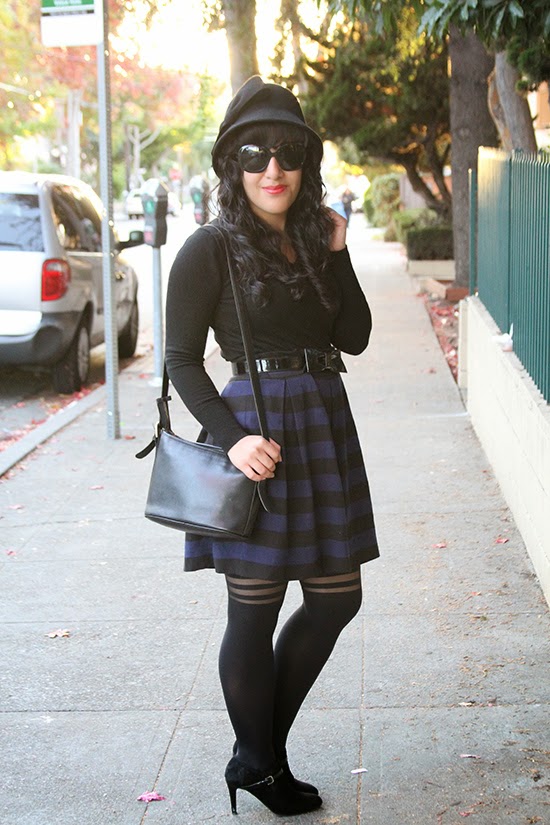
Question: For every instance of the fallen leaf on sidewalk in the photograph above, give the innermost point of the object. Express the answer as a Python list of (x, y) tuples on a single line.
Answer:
[(129, 437), (59, 634), (150, 796), (501, 540)]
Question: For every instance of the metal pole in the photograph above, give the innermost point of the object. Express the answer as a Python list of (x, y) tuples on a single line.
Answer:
[(158, 327), (107, 238)]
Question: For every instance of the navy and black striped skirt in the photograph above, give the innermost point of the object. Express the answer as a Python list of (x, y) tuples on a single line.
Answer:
[(324, 522)]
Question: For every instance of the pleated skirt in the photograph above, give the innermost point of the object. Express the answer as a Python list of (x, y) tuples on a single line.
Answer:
[(323, 524)]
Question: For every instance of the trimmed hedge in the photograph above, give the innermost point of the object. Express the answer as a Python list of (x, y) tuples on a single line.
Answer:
[(433, 243), (414, 218)]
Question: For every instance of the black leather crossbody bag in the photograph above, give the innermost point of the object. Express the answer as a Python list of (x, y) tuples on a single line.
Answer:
[(194, 486)]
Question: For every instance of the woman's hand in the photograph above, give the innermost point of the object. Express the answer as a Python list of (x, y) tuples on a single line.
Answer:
[(256, 457), (338, 234)]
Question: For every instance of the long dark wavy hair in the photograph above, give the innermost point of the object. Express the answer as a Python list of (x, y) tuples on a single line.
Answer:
[(256, 247)]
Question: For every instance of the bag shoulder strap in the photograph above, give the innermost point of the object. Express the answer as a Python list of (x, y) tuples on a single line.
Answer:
[(246, 335), (244, 326)]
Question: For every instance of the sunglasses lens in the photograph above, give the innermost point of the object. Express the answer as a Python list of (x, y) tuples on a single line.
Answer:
[(253, 158), (289, 156)]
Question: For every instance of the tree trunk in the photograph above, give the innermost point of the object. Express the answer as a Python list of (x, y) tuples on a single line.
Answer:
[(410, 163), (436, 165), (517, 114), (240, 27), (471, 127), (497, 112)]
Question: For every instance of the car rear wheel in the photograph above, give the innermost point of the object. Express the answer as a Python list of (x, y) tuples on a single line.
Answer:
[(71, 372), (127, 340)]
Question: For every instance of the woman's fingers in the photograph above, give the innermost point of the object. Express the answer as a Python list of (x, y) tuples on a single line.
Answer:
[(339, 228), (255, 457), (274, 450)]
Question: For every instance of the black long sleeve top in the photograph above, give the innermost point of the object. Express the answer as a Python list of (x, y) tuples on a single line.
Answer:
[(200, 296)]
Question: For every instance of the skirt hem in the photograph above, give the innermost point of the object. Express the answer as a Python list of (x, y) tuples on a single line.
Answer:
[(251, 570)]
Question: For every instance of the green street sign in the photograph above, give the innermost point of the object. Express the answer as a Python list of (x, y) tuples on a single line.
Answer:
[(67, 6), (72, 22)]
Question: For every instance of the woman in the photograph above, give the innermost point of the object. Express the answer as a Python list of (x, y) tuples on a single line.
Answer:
[(303, 301)]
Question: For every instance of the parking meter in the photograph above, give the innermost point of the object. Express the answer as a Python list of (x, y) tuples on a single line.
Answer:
[(154, 198)]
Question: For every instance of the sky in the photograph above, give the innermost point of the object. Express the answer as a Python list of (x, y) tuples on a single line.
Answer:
[(178, 39)]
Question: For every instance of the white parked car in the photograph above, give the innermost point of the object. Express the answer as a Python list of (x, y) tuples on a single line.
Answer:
[(51, 277), (133, 204)]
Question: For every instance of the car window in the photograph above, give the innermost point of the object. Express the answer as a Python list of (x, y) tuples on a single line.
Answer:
[(67, 217), (77, 221), (90, 224), (20, 226)]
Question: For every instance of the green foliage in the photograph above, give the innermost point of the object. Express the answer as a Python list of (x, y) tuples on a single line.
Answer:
[(119, 180), (383, 15), (522, 27), (368, 206), (389, 95), (384, 198), (407, 219), (433, 243), (36, 83)]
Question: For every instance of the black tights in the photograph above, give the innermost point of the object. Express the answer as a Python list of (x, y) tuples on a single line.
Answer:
[(264, 687)]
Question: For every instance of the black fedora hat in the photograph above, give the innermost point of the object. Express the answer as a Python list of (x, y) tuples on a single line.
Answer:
[(259, 102)]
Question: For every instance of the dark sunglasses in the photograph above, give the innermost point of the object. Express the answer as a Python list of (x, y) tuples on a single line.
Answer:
[(289, 156)]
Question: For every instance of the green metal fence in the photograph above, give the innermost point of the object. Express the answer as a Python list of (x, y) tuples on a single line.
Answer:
[(513, 253)]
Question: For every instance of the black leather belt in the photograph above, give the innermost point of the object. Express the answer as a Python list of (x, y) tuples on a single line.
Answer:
[(306, 360)]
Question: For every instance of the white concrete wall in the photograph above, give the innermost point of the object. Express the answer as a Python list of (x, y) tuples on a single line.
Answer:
[(512, 421)]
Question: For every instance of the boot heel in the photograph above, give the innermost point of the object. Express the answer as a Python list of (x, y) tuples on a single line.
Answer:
[(233, 797)]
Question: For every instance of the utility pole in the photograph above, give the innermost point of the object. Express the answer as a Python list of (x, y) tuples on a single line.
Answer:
[(106, 178)]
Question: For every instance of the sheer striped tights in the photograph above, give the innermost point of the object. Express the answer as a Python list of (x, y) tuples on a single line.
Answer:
[(264, 686)]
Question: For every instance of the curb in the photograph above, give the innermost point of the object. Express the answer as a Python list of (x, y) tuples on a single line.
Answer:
[(18, 451), (14, 454)]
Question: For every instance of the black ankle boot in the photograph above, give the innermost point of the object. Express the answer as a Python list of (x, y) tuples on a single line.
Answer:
[(304, 787), (274, 789)]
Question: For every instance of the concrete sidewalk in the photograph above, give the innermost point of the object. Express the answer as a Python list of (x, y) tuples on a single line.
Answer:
[(439, 690)]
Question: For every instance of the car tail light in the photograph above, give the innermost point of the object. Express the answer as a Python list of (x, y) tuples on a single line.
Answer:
[(56, 275)]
